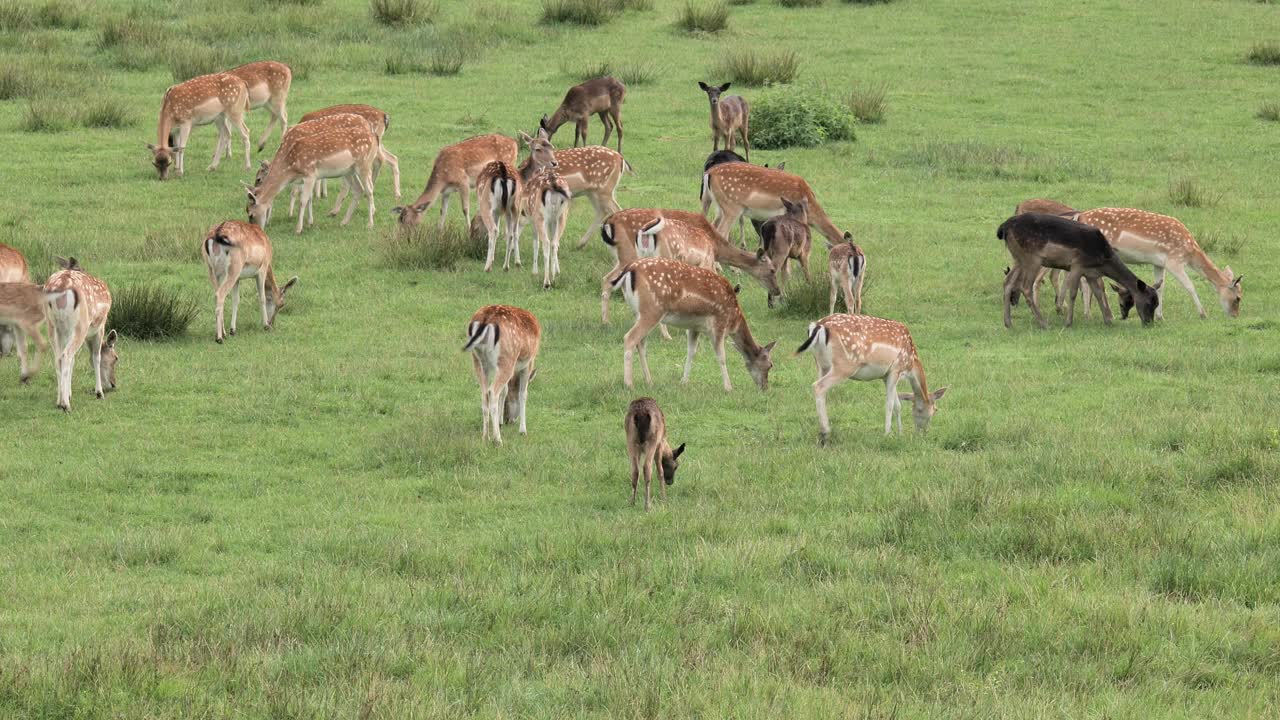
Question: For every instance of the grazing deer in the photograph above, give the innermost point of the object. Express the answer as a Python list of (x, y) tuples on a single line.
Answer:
[(862, 347), (599, 96), (661, 290), (220, 98), (13, 268), (268, 84), (1036, 240), (503, 342), (348, 150), (1053, 207), (730, 116), (847, 266), (22, 312), (378, 121), (786, 237), (234, 251), (592, 171), (1164, 243), (455, 171), (647, 446), (719, 157), (77, 305), (742, 188)]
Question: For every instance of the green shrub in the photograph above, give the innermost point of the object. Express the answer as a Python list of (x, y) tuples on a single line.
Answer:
[(401, 13), (709, 17), (1188, 192), (754, 69), (46, 117), (1269, 111), (106, 113), (867, 102), (1264, 53), (425, 248), (578, 12), (151, 312), (799, 117)]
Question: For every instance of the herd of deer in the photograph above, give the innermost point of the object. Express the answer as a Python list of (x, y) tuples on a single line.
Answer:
[(666, 260)]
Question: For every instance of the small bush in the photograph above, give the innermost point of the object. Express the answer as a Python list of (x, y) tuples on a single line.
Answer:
[(1269, 111), (867, 102), (578, 12), (800, 3), (402, 13), (755, 69), (46, 117), (799, 117), (704, 17), (190, 61), (151, 312), (107, 113), (1265, 53), (425, 248), (1218, 242), (1188, 192), (446, 61), (809, 299)]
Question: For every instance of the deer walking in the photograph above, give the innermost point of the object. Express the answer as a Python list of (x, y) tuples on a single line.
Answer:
[(847, 267), (455, 171), (13, 268), (221, 99), (503, 342), (600, 96), (730, 117), (233, 251), (592, 171), (268, 85), (22, 313), (661, 290), (861, 347), (647, 447), (77, 305)]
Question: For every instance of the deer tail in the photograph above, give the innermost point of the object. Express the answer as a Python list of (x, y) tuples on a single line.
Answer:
[(606, 234), (627, 168), (642, 421), (817, 334), (478, 332)]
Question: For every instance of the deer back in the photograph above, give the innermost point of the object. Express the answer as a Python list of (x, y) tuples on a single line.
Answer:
[(515, 331), (265, 79), (593, 168), (378, 120), (191, 99), (92, 297), (13, 266)]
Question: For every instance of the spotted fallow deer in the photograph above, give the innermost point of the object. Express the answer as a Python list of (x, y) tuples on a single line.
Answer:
[(592, 171), (847, 267), (1164, 243), (350, 150), (498, 192), (233, 251), (662, 290), (739, 188), (601, 96), (220, 98), (503, 342), (22, 313), (545, 203), (455, 171), (13, 268), (268, 84), (379, 121), (77, 305), (862, 347), (730, 117), (647, 447)]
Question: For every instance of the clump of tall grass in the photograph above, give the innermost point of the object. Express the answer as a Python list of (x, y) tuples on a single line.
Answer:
[(706, 17), (1264, 53), (867, 2), (189, 61), (974, 159), (804, 298), (799, 117), (59, 14), (18, 81), (755, 68), (1269, 111), (446, 61), (1188, 192), (426, 248), (126, 30), (867, 102), (800, 3), (1220, 242), (151, 312), (630, 73), (16, 16), (307, 3), (107, 113), (578, 12), (44, 116), (402, 13)]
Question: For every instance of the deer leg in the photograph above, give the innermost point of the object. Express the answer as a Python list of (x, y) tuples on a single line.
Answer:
[(238, 121), (1157, 278), (501, 378), (615, 112), (20, 339), (1010, 293), (224, 140), (544, 243), (601, 214), (728, 216), (1072, 286), (366, 177), (606, 292), (184, 133), (342, 197), (357, 191), (692, 336), (835, 290), (266, 132), (635, 472), (308, 187), (1100, 293), (821, 387), (1179, 272), (482, 378), (724, 368), (890, 400), (95, 359), (444, 206), (1027, 278), (487, 216), (644, 360), (634, 337), (261, 279), (608, 128), (804, 265), (649, 452), (525, 375), (394, 163), (561, 220), (746, 144), (897, 410)]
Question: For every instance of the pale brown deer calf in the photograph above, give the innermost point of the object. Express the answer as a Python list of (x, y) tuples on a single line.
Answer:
[(234, 251), (647, 446), (77, 305), (786, 237), (730, 118), (503, 342), (22, 312), (455, 171), (600, 96), (847, 267)]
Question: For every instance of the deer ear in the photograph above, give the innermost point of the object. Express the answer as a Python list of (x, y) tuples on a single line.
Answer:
[(151, 147), (770, 346), (678, 451), (724, 87), (524, 138), (265, 165), (1236, 282), (1158, 285), (848, 236), (61, 261), (543, 122), (703, 86), (937, 394), (111, 340), (292, 281), (782, 165), (759, 253), (397, 211)]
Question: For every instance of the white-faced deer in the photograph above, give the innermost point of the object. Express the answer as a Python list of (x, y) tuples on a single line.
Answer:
[(503, 342), (455, 171), (661, 290), (847, 267), (786, 237), (13, 268), (1036, 240), (220, 98), (742, 188), (599, 96), (1164, 243), (343, 150), (77, 305), (268, 84), (378, 121), (233, 251), (730, 117), (862, 347), (22, 312), (647, 447), (592, 172)]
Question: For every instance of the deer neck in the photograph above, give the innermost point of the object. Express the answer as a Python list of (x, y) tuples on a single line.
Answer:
[(165, 126), (1201, 262), (277, 177), (742, 338), (915, 375)]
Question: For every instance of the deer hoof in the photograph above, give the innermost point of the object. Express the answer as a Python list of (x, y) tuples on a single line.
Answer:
[(266, 327), (218, 340), (25, 379), (99, 394), (824, 439)]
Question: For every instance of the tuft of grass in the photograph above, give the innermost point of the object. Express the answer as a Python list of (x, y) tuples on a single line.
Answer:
[(867, 2), (403, 62), (800, 3), (426, 248), (301, 3), (59, 14), (189, 61), (107, 113), (1264, 53), (799, 117), (807, 299), (403, 13), (755, 68), (974, 159), (151, 312), (867, 102), (1269, 111), (128, 30), (16, 16), (739, 3), (1188, 192), (446, 61), (1220, 242), (578, 12), (630, 73), (711, 17), (17, 81), (44, 116)]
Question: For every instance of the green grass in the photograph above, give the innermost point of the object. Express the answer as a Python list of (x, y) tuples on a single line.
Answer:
[(305, 523), (755, 68), (1269, 111), (151, 312), (1264, 53), (703, 16)]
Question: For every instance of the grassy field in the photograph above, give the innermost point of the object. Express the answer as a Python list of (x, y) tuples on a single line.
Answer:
[(305, 523)]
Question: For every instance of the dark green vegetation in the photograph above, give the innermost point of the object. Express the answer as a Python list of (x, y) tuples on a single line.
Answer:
[(799, 116), (304, 523)]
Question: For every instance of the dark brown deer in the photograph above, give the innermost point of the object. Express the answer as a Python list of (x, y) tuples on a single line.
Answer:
[(730, 117), (599, 96), (1053, 207), (647, 446), (1037, 240)]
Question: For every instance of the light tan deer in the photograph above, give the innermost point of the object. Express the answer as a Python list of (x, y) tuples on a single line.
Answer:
[(455, 171), (22, 312), (546, 205), (647, 447), (221, 99), (268, 84), (786, 237), (861, 347), (601, 96), (233, 251), (347, 151), (378, 121), (592, 172), (847, 267), (13, 268), (1164, 243), (77, 305), (661, 290), (730, 117), (741, 188), (503, 342), (498, 192)]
